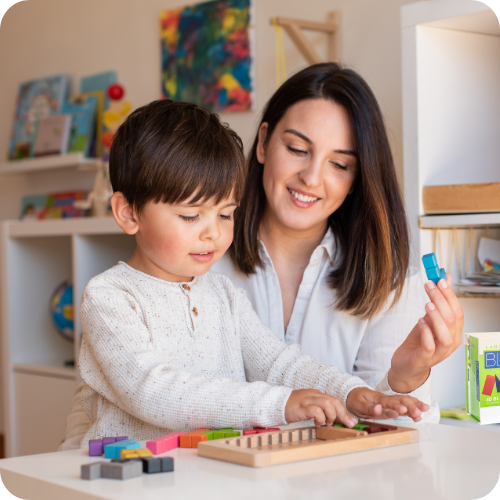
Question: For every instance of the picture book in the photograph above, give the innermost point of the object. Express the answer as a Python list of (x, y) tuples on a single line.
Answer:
[(52, 135), (36, 99), (32, 205), (96, 142), (61, 205), (99, 82), (82, 109)]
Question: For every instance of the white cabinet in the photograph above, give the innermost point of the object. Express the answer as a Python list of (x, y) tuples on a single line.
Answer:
[(451, 127), (36, 257)]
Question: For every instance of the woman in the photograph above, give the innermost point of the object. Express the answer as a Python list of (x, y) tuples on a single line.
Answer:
[(321, 240)]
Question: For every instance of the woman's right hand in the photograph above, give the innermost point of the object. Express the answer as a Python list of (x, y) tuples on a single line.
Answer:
[(304, 404)]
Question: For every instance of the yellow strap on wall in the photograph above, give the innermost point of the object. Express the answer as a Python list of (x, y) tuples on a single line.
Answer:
[(279, 46)]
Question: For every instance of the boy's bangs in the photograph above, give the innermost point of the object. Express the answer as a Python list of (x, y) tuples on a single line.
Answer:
[(216, 178)]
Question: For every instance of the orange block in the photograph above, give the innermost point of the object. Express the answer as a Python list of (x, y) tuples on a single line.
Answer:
[(185, 441), (197, 438)]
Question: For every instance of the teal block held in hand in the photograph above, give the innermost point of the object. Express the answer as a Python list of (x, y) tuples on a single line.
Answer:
[(432, 269)]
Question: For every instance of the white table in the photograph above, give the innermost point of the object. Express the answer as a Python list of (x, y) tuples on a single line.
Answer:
[(447, 463)]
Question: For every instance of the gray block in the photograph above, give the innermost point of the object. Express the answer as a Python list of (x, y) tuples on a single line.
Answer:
[(121, 470), (91, 471)]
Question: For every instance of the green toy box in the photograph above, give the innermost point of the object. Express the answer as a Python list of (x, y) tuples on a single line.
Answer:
[(482, 368)]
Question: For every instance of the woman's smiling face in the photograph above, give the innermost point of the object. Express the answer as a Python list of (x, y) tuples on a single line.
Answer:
[(310, 164)]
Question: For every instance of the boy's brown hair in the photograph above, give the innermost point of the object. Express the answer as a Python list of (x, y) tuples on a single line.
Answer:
[(170, 151)]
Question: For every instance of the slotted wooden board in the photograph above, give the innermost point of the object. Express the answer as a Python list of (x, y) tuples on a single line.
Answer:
[(287, 446)]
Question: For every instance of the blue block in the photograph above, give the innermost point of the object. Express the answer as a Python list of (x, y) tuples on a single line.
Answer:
[(430, 260), (432, 268), (432, 273), (113, 450)]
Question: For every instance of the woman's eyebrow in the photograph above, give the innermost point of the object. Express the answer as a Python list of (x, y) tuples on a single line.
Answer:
[(298, 134), (305, 138)]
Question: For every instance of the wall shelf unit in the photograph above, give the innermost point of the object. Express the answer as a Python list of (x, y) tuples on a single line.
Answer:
[(36, 256), (459, 221), (451, 118), (70, 160)]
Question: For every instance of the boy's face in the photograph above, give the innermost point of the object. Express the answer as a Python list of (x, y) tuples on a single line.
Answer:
[(177, 242)]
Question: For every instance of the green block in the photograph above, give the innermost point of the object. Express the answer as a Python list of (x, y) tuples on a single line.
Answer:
[(338, 425), (361, 427), (226, 430), (219, 435), (232, 434)]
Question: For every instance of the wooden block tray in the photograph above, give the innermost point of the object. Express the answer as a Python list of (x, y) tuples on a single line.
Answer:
[(306, 443)]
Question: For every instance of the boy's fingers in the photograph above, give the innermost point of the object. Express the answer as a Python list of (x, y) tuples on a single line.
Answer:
[(343, 415)]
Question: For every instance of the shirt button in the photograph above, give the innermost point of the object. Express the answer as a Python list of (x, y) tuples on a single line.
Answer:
[(186, 287), (195, 311), (309, 288)]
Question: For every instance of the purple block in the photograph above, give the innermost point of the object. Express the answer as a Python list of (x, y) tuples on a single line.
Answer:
[(108, 440), (96, 448), (121, 438)]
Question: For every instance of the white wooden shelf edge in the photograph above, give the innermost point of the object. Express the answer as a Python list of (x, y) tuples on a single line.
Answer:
[(46, 163), (459, 220), (63, 227), (54, 369), (443, 12)]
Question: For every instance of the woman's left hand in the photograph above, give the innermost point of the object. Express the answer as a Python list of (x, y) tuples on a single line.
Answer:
[(432, 340)]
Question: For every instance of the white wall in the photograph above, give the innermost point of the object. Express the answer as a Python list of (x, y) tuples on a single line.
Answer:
[(82, 37)]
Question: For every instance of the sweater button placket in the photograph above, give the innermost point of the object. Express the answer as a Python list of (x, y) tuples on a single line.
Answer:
[(192, 310)]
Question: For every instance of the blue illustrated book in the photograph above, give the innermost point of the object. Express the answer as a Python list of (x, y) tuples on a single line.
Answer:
[(83, 111), (35, 100)]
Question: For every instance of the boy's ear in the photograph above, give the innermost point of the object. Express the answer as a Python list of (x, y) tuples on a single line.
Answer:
[(123, 213), (261, 145)]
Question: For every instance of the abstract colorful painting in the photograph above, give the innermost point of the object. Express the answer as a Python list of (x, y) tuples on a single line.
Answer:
[(206, 55)]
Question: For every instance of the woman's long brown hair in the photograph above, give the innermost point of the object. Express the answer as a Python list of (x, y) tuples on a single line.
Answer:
[(370, 227)]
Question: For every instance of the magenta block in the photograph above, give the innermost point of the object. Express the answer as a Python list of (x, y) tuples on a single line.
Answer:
[(164, 443), (96, 448)]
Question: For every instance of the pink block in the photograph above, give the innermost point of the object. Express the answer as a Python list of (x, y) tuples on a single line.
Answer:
[(164, 443), (249, 431), (261, 431)]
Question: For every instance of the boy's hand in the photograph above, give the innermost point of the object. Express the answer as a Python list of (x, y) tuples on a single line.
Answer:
[(304, 404), (366, 403)]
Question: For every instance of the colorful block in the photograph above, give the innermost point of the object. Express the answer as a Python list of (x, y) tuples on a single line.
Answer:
[(108, 440), (185, 439), (121, 469), (113, 450), (247, 432), (96, 448), (488, 385), (135, 453), (432, 268), (164, 443), (91, 471), (497, 383), (261, 431)]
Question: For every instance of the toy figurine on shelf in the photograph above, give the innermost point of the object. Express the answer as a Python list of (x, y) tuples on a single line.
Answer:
[(114, 116), (98, 198)]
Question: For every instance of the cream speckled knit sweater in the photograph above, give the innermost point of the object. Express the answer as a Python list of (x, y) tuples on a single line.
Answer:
[(159, 356)]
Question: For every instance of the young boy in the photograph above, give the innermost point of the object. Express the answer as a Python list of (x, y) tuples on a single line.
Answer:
[(168, 346)]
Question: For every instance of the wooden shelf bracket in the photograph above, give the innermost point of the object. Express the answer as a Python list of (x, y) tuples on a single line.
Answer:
[(294, 28)]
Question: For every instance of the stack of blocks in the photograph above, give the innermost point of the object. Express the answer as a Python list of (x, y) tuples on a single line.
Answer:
[(432, 268), (129, 460), (191, 439)]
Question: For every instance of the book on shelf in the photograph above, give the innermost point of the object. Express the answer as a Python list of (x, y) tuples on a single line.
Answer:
[(36, 99), (52, 135), (53, 206), (82, 109)]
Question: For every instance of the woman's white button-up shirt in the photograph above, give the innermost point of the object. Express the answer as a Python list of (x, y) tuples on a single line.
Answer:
[(357, 346)]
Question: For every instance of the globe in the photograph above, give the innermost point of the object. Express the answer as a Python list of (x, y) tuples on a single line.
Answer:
[(61, 308)]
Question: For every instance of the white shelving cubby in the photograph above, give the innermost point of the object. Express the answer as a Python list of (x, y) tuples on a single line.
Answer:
[(451, 119), (36, 257)]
